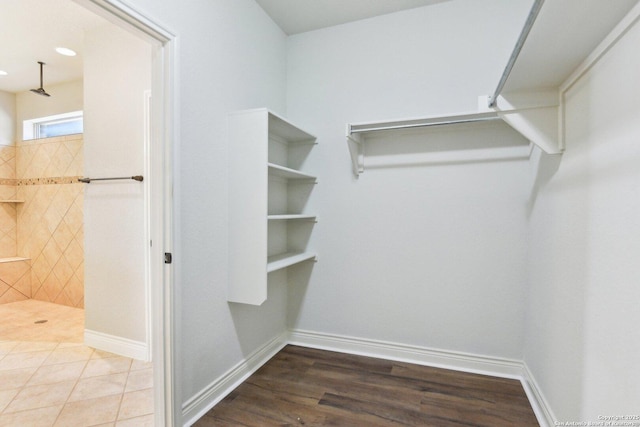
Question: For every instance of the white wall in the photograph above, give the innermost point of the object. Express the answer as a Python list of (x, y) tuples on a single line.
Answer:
[(117, 71), (65, 97), (7, 118), (582, 340), (429, 255), (231, 56), (431, 283)]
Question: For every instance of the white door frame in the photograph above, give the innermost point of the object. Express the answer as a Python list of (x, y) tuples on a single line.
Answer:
[(161, 303)]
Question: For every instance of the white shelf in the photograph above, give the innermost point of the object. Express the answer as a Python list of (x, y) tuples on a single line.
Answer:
[(290, 217), (287, 131), (530, 94), (287, 173), (264, 152), (573, 22), (278, 262), (440, 120)]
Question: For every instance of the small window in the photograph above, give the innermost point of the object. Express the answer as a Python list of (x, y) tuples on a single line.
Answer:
[(58, 125)]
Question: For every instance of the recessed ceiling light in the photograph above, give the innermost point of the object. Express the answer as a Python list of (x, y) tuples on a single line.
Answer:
[(3, 73), (64, 51)]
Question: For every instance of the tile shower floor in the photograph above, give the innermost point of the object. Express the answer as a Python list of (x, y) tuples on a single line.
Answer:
[(49, 378)]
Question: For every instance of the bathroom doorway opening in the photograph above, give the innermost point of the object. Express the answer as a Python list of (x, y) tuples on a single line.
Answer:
[(159, 136), (42, 204)]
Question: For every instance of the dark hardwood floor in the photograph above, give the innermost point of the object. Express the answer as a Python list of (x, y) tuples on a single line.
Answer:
[(303, 386)]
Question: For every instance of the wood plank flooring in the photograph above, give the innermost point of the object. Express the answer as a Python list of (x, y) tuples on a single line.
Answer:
[(303, 386)]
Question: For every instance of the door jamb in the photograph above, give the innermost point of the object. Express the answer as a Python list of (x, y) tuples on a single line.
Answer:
[(163, 160)]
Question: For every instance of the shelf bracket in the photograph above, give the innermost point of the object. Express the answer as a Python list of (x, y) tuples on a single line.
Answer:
[(356, 149), (535, 116)]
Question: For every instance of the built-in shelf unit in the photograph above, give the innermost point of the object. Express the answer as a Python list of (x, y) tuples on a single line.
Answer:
[(269, 227)]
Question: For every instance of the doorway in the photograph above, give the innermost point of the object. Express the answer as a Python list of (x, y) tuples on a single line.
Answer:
[(160, 204), (157, 301)]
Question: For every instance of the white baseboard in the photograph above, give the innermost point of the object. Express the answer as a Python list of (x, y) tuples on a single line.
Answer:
[(117, 345), (543, 412), (458, 361), (207, 398)]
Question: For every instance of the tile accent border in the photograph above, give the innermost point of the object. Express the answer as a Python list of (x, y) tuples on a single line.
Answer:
[(47, 181), (40, 181), (50, 221)]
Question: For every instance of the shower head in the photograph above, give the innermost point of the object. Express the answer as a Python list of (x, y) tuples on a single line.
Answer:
[(40, 90)]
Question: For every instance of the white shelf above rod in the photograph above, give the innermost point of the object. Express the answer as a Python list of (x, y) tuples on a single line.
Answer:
[(528, 25), (356, 132), (422, 122)]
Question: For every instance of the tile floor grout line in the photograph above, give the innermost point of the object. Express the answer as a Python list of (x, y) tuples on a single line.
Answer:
[(20, 389), (50, 341), (86, 362), (122, 396)]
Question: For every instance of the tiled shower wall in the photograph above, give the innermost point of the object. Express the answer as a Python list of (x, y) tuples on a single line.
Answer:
[(7, 209), (15, 274), (48, 225)]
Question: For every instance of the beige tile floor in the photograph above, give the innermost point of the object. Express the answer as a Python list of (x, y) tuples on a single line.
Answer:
[(49, 378)]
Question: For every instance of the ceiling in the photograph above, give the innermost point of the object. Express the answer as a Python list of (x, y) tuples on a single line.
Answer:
[(299, 16), (30, 30)]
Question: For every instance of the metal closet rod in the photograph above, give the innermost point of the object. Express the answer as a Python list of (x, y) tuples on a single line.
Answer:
[(531, 19), (427, 124), (138, 178)]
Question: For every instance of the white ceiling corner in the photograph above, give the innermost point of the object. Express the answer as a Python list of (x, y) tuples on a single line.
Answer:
[(299, 16)]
